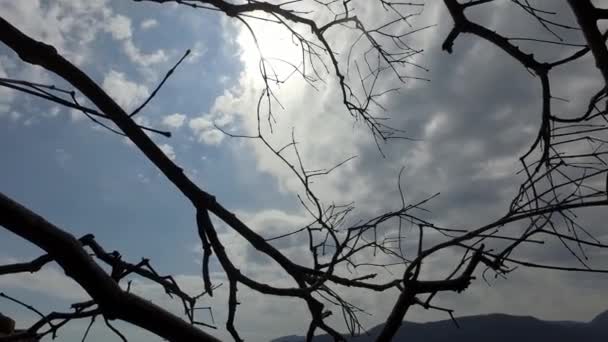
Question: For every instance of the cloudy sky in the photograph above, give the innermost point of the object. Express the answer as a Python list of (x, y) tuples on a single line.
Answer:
[(471, 122)]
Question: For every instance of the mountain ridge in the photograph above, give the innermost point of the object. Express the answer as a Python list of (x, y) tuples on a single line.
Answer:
[(496, 327)]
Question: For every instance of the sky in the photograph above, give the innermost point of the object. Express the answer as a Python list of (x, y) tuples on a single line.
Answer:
[(470, 123)]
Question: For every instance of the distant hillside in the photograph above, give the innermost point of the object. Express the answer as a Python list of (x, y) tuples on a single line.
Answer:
[(493, 327)]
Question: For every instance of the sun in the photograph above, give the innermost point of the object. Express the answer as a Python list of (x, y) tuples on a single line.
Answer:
[(280, 49)]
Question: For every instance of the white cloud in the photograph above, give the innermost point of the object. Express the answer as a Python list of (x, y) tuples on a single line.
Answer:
[(136, 56), (168, 150), (148, 24), (211, 137), (70, 26), (119, 27), (451, 158), (15, 116), (126, 93), (498, 167), (175, 120), (53, 112), (201, 123), (437, 123), (196, 53), (468, 150), (204, 129)]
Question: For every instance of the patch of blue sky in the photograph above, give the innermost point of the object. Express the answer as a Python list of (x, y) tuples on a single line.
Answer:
[(87, 180)]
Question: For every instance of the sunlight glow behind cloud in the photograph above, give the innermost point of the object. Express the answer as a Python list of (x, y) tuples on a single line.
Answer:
[(469, 128)]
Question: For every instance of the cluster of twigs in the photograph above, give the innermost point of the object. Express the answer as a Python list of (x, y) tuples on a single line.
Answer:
[(564, 170)]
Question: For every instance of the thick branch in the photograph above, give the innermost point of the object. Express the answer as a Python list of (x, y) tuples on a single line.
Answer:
[(464, 25), (67, 251), (587, 19), (46, 56)]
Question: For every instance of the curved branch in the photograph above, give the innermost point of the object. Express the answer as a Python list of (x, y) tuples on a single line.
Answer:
[(115, 303)]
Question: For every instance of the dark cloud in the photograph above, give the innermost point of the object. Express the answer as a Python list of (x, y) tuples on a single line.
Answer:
[(478, 114), (472, 121)]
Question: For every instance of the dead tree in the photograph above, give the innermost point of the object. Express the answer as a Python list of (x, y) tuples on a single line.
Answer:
[(560, 179)]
